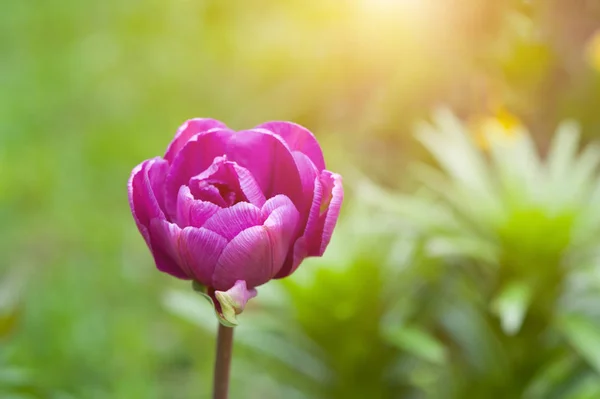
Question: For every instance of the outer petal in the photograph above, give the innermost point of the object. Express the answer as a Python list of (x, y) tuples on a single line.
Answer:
[(308, 173), (164, 244), (200, 249), (259, 151), (193, 212), (145, 179), (319, 235), (300, 250), (229, 222), (189, 129), (324, 212), (298, 138), (247, 257), (195, 156), (282, 226)]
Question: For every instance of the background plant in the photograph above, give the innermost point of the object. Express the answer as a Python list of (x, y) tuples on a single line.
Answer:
[(513, 243)]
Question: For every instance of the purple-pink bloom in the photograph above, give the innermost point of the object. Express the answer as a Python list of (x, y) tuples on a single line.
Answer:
[(233, 210)]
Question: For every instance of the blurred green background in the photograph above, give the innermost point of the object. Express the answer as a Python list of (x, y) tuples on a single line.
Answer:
[(465, 263)]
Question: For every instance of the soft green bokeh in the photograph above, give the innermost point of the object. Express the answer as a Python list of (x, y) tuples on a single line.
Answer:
[(437, 284)]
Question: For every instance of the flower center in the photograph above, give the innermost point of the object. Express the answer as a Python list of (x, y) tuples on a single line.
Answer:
[(218, 184)]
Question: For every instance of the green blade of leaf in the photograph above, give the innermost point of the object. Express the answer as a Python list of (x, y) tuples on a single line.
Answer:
[(418, 342), (511, 306), (584, 336)]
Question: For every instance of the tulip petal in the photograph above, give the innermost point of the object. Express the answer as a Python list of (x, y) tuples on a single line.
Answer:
[(189, 129), (185, 200), (164, 244), (200, 249), (146, 181), (298, 138), (226, 173), (249, 186), (201, 212), (258, 150), (329, 210), (157, 175), (196, 155), (193, 212), (294, 258), (207, 193), (308, 172), (247, 257), (233, 301), (300, 250), (229, 222), (324, 212), (282, 227)]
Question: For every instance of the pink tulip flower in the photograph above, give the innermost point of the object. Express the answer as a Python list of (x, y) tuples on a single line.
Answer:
[(233, 210)]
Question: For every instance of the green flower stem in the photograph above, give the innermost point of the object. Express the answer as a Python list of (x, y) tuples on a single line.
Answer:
[(223, 362)]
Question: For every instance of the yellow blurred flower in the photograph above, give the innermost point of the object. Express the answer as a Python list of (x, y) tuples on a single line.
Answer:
[(499, 127), (593, 51)]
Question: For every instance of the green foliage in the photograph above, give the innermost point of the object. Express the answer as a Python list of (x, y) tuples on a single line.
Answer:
[(517, 258)]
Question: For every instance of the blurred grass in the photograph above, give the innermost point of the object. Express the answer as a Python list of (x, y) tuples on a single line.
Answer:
[(88, 90)]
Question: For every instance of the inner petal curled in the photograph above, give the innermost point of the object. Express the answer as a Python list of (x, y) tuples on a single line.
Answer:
[(225, 184), (218, 184)]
